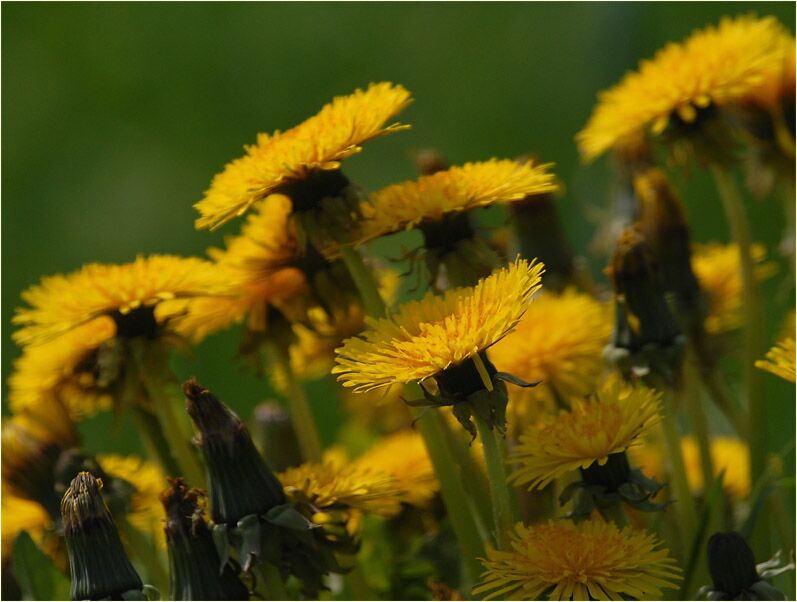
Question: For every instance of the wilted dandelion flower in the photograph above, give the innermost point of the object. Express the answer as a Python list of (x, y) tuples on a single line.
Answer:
[(714, 67), (607, 423), (717, 269), (313, 150), (403, 455), (780, 360), (589, 560), (424, 338), (143, 298), (559, 342)]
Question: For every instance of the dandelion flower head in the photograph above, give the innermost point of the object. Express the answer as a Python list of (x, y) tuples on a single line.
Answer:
[(425, 337), (780, 360), (714, 67), (589, 560), (318, 144), (609, 422)]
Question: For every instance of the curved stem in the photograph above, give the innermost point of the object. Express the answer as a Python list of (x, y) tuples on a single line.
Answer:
[(155, 441), (499, 488), (693, 401), (364, 280), (271, 581)]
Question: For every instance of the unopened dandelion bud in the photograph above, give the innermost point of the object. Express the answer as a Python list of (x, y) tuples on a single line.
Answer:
[(98, 564), (429, 161), (646, 334), (193, 559), (240, 482), (274, 436), (734, 572)]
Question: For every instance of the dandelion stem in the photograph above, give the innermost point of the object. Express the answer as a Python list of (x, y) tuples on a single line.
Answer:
[(499, 489), (692, 399), (684, 504), (271, 582), (302, 418), (463, 521), (751, 303), (155, 441)]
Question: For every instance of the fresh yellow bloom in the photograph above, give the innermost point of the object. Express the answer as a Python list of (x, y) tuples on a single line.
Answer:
[(717, 270), (141, 297), (337, 484), (403, 455), (609, 422), (727, 453), (63, 369), (22, 515), (428, 336), (318, 144), (591, 560), (454, 190), (714, 67), (144, 513), (559, 342), (780, 359), (778, 81)]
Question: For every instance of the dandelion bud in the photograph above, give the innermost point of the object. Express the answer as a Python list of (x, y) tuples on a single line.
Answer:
[(645, 332), (193, 559), (429, 161), (239, 481), (98, 564), (273, 434)]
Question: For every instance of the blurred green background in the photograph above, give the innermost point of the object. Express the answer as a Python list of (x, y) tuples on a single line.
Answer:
[(116, 116)]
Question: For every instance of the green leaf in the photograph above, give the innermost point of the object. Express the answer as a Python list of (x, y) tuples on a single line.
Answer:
[(37, 576)]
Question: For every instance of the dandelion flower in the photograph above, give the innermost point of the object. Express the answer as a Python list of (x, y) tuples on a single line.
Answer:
[(608, 423), (426, 337), (141, 297), (450, 192), (336, 483), (714, 67), (317, 145), (589, 560), (560, 342), (403, 455), (20, 515), (780, 360), (717, 269)]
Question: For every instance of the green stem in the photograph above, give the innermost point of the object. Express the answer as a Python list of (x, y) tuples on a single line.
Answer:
[(302, 418), (155, 441), (693, 400), (271, 582), (721, 397), (499, 488), (684, 504), (364, 280), (616, 514), (182, 447), (751, 305)]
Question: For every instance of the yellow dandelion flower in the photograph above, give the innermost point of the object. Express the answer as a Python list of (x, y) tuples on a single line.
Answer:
[(780, 360), (141, 296), (609, 422), (22, 515), (319, 144), (428, 336), (591, 560), (714, 67), (63, 369), (454, 190), (778, 80), (148, 480), (717, 270), (336, 484), (727, 453), (560, 342), (403, 455)]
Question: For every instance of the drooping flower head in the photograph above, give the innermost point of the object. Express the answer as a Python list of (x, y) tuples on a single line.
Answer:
[(589, 560), (313, 150), (780, 360), (439, 204), (559, 342), (713, 68), (607, 423), (717, 269), (424, 338)]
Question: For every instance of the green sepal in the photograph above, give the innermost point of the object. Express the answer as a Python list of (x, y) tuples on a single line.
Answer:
[(248, 529), (765, 591), (136, 594), (152, 593), (288, 517), (462, 412), (515, 380), (221, 540)]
